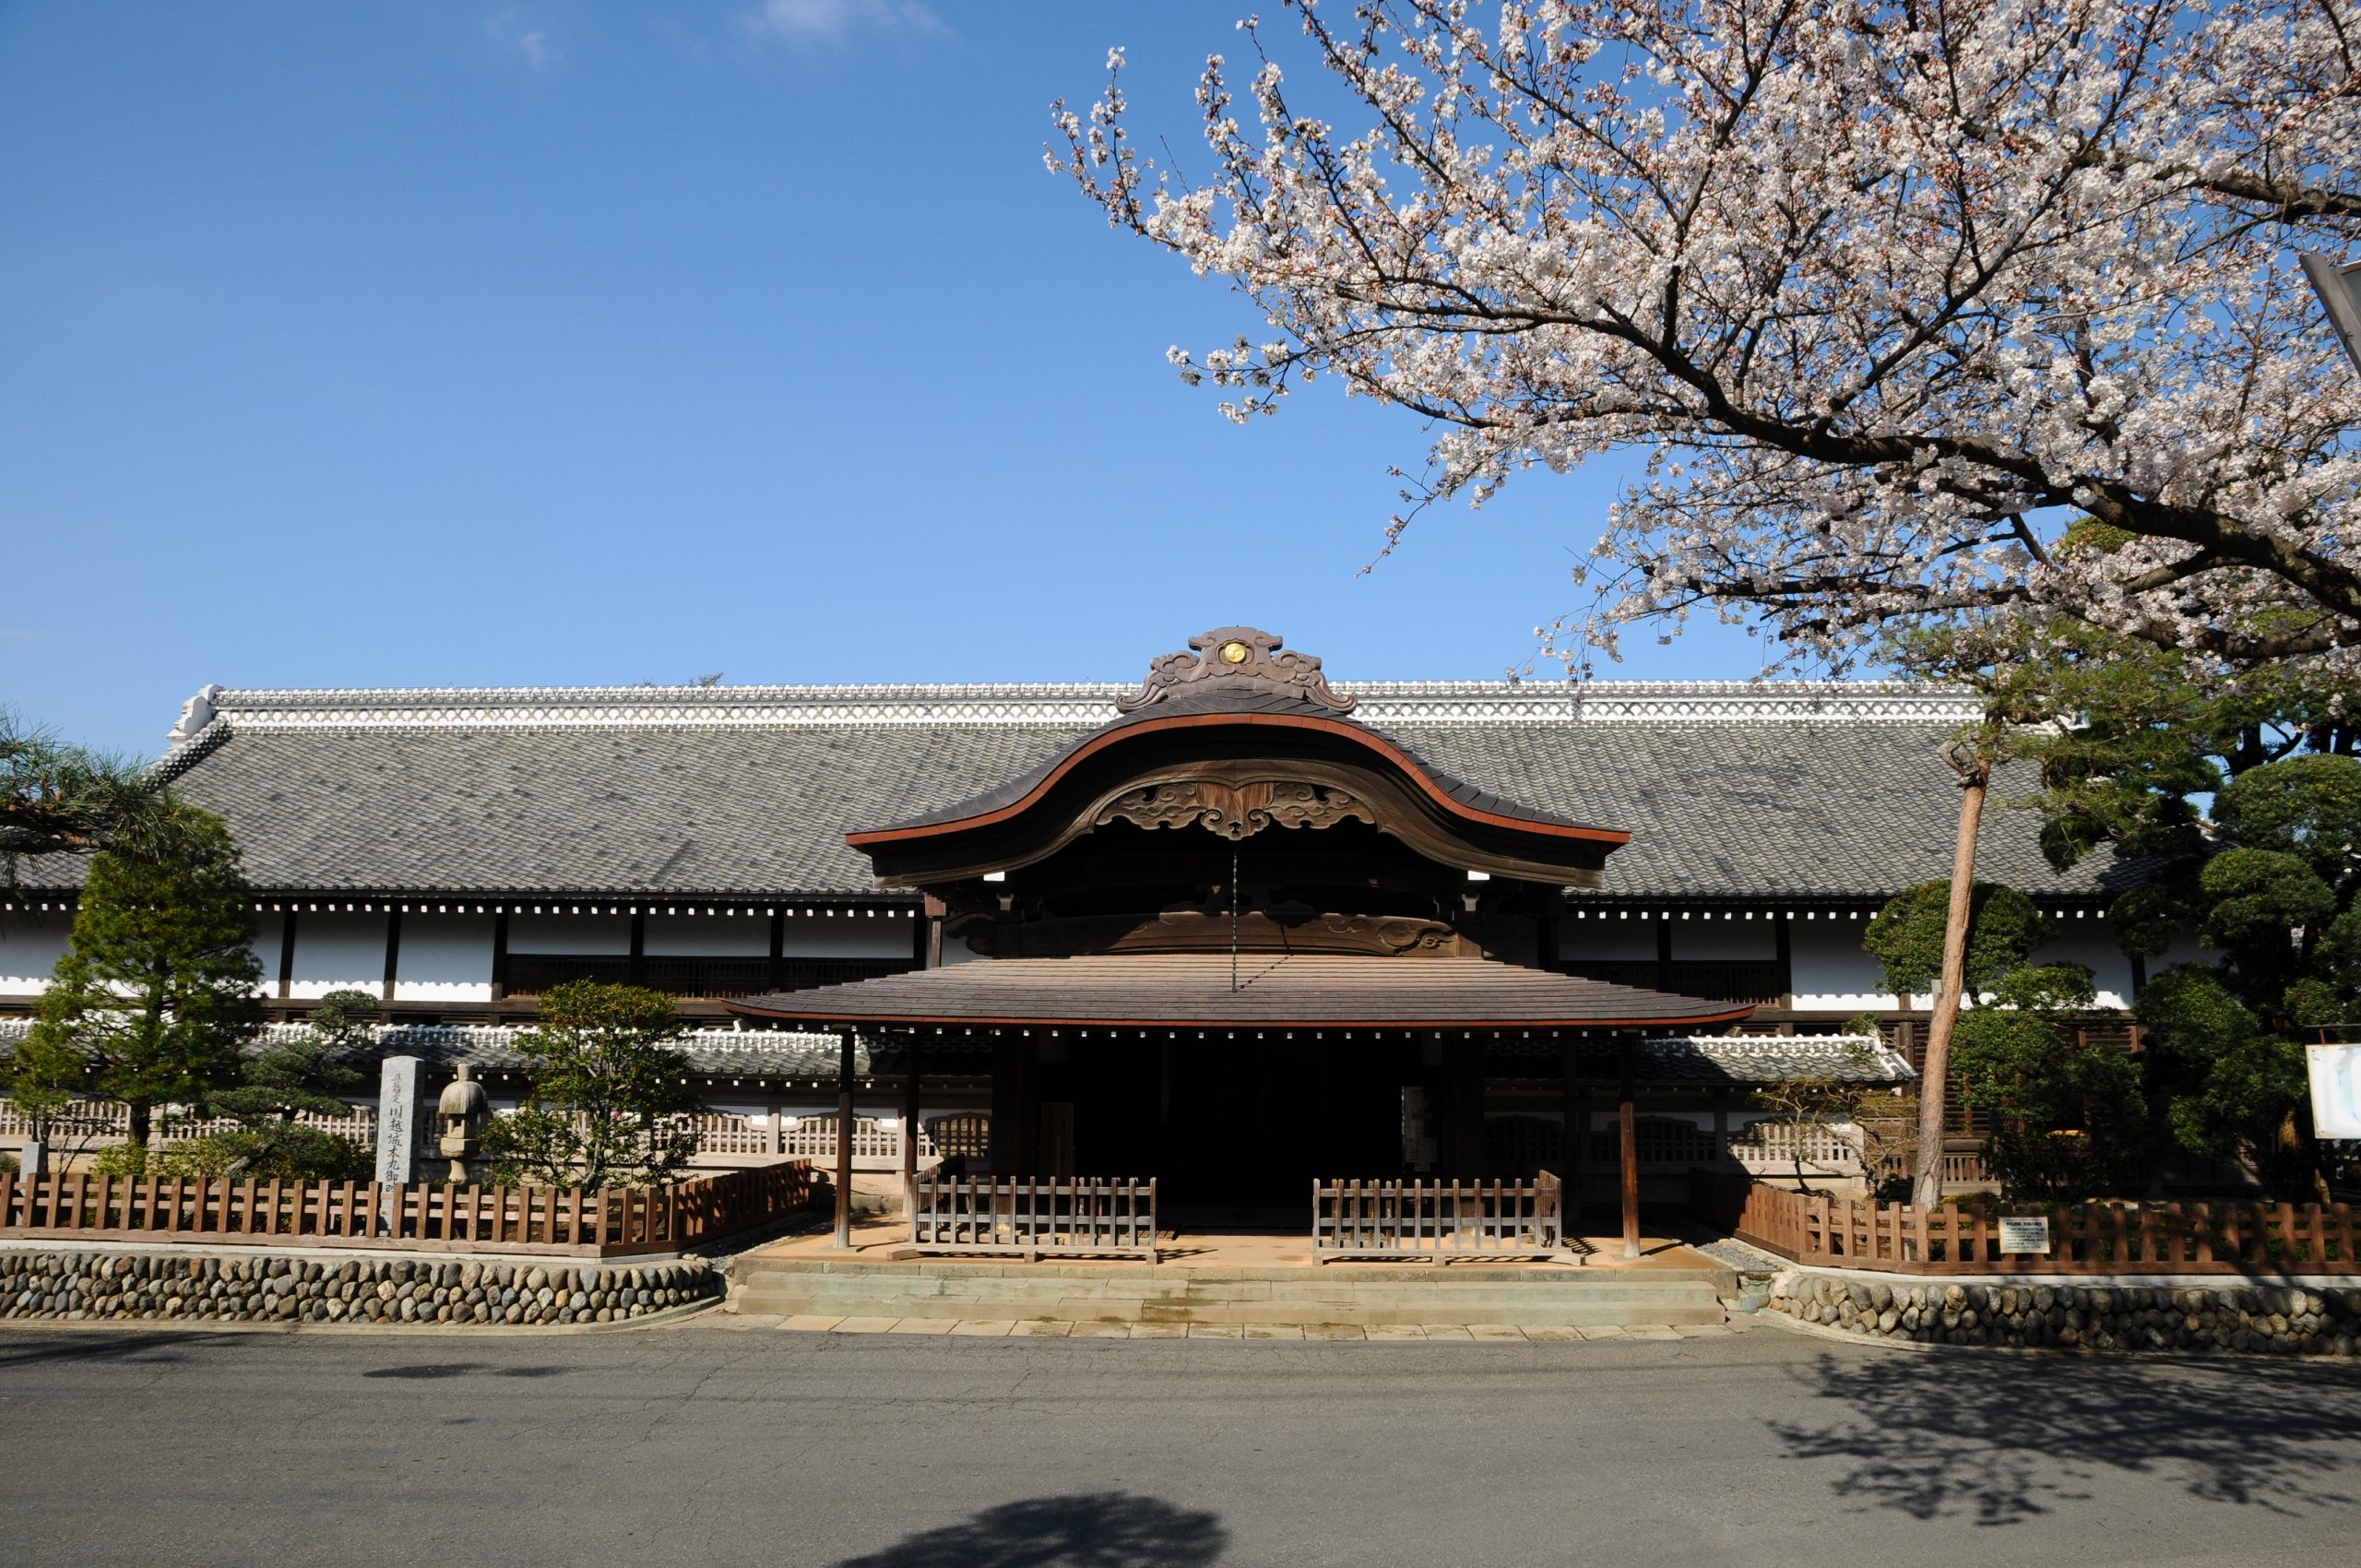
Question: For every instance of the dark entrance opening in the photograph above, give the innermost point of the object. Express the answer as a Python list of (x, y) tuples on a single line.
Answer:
[(1236, 1130)]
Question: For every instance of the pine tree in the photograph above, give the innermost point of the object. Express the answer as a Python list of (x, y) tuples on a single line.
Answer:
[(305, 1073), (161, 991), (609, 1093)]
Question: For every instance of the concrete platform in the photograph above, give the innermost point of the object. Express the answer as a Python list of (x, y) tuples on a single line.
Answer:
[(1228, 1280)]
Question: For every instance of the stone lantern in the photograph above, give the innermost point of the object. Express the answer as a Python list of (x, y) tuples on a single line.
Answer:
[(462, 1115)]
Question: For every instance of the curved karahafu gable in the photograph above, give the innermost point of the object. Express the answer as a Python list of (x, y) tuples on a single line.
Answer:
[(1236, 738)]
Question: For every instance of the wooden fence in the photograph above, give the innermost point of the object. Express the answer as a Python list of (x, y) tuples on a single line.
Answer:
[(1072, 1214), (2229, 1237), (1438, 1220), (610, 1222)]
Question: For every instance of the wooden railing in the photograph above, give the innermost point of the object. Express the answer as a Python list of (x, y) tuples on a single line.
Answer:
[(531, 974), (1438, 1220), (100, 1121), (608, 1222), (1072, 1215), (2091, 1238), (1779, 1145)]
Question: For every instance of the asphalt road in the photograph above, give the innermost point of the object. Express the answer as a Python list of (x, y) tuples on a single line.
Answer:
[(706, 1445)]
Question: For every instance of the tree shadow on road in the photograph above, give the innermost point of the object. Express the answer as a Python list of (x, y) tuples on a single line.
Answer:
[(1998, 1441), (1108, 1529), (143, 1348)]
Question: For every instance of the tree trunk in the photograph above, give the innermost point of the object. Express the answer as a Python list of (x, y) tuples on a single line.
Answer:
[(142, 1117), (1928, 1190)]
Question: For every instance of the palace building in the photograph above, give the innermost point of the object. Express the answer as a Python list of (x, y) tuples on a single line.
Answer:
[(1232, 926)]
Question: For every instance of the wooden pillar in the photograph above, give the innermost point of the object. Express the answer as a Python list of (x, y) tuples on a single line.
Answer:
[(1626, 1117), (287, 956), (498, 954), (1464, 1070), (393, 949), (844, 1138), (638, 970), (1012, 1138), (910, 1128), (1576, 1102), (779, 949)]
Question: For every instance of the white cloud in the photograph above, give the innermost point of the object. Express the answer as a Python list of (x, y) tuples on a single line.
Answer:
[(519, 37), (833, 21)]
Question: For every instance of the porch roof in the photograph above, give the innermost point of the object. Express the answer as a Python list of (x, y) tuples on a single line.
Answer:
[(1190, 989)]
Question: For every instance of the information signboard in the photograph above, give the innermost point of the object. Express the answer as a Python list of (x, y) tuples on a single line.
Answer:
[(2020, 1233), (2336, 1090)]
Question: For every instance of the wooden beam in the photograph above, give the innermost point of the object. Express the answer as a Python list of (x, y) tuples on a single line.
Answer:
[(844, 1139), (1630, 1142)]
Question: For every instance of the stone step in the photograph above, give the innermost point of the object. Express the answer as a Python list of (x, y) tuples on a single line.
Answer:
[(1569, 1299)]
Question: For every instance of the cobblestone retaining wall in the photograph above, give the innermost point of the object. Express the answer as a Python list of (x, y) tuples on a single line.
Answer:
[(202, 1287), (2255, 1320)]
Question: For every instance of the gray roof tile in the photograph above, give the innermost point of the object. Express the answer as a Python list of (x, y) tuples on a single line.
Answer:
[(1735, 791)]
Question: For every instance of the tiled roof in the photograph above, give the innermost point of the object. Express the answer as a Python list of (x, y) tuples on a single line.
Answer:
[(1160, 990), (776, 1053), (1770, 1059), (1733, 791)]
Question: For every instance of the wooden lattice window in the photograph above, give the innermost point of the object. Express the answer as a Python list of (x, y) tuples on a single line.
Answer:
[(1523, 1144)]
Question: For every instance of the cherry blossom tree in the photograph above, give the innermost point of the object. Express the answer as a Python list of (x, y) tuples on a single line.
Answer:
[(1919, 312)]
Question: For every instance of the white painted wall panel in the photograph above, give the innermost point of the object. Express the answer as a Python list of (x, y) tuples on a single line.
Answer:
[(444, 959), (268, 927), (1698, 939), (2090, 943), (1613, 938), (1833, 971), (31, 945), (709, 936), (336, 952), (849, 936), (569, 933)]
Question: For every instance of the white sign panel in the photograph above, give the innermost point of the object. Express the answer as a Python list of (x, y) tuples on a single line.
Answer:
[(2018, 1234), (2336, 1090), (396, 1108)]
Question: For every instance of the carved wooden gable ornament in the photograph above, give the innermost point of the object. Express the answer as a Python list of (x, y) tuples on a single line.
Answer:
[(1232, 661)]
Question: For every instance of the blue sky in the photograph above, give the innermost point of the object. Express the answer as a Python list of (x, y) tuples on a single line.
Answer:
[(568, 344)]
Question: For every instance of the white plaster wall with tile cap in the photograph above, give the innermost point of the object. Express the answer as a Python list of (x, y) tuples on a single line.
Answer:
[(709, 936), (337, 951), (31, 941), (579, 935), (444, 959)]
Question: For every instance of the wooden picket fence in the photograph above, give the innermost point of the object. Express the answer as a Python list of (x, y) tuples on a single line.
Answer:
[(1438, 1221), (607, 1222), (1034, 1215), (2229, 1237)]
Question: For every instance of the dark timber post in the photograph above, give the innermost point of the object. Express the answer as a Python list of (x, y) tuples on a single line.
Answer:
[(1630, 1160), (844, 1139), (910, 1129), (287, 956), (393, 949), (1577, 1108)]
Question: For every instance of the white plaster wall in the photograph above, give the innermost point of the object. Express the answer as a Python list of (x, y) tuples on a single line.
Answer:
[(861, 935), (1698, 938), (569, 933), (31, 944), (444, 958), (269, 926), (1614, 938), (706, 936), (336, 952), (2090, 943), (955, 950), (1833, 971)]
